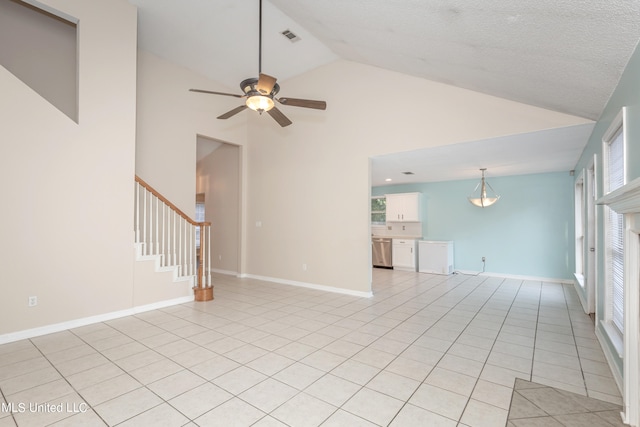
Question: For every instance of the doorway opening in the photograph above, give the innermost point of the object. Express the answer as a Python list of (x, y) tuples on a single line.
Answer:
[(218, 189)]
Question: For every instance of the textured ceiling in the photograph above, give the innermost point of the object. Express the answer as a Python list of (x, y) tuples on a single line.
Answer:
[(562, 55), (550, 150)]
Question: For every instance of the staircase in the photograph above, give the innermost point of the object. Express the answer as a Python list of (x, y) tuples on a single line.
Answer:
[(175, 243)]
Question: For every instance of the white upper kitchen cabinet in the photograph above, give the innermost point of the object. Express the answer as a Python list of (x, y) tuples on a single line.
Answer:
[(403, 207)]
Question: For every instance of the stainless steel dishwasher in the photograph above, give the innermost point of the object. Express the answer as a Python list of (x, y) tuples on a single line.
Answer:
[(381, 252)]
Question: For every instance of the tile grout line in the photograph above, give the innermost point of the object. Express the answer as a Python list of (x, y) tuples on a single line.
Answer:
[(492, 346), (444, 353)]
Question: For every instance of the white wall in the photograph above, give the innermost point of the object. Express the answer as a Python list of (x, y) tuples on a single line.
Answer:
[(67, 188), (169, 120), (51, 68), (308, 184)]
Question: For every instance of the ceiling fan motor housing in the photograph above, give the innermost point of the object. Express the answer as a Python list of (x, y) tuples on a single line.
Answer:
[(249, 87)]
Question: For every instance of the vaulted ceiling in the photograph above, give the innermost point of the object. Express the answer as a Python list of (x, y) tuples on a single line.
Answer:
[(562, 55)]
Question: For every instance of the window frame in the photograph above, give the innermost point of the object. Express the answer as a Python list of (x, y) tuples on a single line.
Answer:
[(379, 212), (580, 227), (614, 232)]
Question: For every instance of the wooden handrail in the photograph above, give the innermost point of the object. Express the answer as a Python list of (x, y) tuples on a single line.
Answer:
[(168, 203), (204, 228)]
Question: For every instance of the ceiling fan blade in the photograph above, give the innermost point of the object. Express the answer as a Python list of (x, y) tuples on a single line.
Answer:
[(265, 83), (233, 112), (216, 93), (279, 117), (307, 103)]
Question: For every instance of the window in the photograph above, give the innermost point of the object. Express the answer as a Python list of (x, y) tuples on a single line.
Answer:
[(580, 228), (199, 215), (614, 165), (378, 210)]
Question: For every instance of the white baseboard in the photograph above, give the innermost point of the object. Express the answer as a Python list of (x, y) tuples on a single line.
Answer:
[(225, 272), (518, 277), (71, 324), (310, 285), (580, 291)]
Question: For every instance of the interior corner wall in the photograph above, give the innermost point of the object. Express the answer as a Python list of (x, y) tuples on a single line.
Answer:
[(309, 183), (528, 232), (170, 118), (626, 94), (52, 69), (219, 180), (67, 187)]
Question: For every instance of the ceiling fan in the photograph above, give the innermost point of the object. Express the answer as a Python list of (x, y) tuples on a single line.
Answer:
[(260, 93)]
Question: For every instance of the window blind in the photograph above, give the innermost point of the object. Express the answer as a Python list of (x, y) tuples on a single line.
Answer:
[(615, 175)]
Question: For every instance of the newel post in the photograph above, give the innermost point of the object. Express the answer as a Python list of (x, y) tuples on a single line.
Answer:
[(203, 291)]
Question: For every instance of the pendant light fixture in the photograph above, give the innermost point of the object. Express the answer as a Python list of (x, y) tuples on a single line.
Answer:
[(482, 199)]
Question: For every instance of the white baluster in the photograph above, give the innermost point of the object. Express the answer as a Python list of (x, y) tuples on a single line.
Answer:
[(151, 228), (185, 272), (137, 211), (209, 258), (193, 249), (157, 221), (179, 250), (144, 222), (203, 252), (164, 229), (175, 239)]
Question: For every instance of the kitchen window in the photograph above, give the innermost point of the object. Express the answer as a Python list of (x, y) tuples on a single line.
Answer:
[(378, 210)]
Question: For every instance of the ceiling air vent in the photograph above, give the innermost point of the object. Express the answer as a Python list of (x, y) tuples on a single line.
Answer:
[(291, 36), (408, 173)]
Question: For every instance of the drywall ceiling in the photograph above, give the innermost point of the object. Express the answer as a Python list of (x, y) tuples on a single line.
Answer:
[(562, 55), (552, 150)]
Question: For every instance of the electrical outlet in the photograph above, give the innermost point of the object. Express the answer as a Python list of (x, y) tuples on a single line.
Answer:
[(33, 301), (483, 259), (304, 267)]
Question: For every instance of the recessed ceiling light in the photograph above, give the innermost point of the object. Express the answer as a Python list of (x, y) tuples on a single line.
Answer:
[(388, 180)]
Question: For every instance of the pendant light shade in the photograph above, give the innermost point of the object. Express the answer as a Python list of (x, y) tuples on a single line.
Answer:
[(483, 199)]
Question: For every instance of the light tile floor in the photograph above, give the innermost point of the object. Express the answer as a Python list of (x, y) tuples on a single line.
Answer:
[(539, 405), (424, 350)]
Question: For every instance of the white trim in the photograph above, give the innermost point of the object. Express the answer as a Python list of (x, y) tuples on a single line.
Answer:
[(516, 276), (325, 288), (534, 278), (626, 200), (72, 324), (591, 259), (225, 272), (615, 337), (580, 291), (632, 324), (617, 375)]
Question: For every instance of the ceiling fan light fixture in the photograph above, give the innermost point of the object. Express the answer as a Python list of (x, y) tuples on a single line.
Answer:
[(260, 103), (483, 200)]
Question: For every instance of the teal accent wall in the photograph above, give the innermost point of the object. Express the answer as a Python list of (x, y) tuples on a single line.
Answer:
[(528, 232), (626, 94)]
